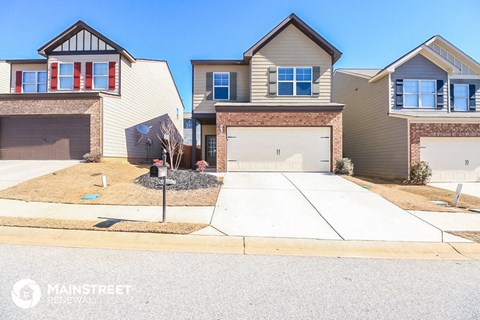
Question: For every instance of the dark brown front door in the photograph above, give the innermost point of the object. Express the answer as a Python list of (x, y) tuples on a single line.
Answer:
[(211, 150), (44, 137)]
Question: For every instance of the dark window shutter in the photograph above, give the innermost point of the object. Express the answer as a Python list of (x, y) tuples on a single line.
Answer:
[(233, 86), (76, 75), (18, 81), (452, 97), (209, 86), (471, 93), (54, 76), (272, 81), (399, 93), (88, 76), (111, 75), (315, 81), (440, 84)]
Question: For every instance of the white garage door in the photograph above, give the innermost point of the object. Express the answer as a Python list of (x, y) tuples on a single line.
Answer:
[(278, 149), (452, 159)]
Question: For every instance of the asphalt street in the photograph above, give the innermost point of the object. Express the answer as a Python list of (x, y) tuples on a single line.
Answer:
[(114, 284)]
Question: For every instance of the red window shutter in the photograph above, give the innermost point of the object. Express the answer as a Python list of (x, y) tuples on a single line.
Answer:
[(88, 76), (76, 75), (111, 76), (18, 81), (54, 76)]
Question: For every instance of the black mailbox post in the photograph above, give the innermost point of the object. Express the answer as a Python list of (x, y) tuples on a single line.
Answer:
[(161, 172)]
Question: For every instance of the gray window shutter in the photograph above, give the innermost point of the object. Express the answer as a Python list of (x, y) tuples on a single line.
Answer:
[(233, 86), (315, 81), (399, 93), (440, 84), (209, 86), (452, 97), (272, 81), (471, 93)]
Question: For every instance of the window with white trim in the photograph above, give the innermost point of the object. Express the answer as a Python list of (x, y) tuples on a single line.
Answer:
[(294, 81), (65, 76), (419, 93), (460, 97), (34, 81), (221, 90), (100, 75)]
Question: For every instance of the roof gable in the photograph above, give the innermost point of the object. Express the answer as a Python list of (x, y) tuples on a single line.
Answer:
[(466, 64)]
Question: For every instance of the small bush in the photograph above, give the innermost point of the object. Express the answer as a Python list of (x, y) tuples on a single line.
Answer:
[(201, 165), (420, 173), (344, 166), (92, 157)]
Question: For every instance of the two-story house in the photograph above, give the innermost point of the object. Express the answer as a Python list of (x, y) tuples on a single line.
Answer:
[(271, 110), (87, 94), (423, 106)]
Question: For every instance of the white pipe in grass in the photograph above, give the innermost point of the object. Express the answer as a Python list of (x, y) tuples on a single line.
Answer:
[(104, 181)]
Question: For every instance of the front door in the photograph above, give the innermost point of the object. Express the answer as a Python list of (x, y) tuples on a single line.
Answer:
[(211, 150)]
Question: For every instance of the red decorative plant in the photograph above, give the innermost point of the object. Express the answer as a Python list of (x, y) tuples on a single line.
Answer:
[(158, 162), (201, 165)]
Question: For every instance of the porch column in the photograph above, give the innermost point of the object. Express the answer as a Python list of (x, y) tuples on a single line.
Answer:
[(194, 142)]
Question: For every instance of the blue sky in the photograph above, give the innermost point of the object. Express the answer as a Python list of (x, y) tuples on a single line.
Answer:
[(371, 34)]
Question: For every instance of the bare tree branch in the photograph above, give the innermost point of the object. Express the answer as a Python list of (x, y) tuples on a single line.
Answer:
[(172, 141)]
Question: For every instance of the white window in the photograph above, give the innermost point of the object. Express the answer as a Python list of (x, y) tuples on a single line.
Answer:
[(34, 81), (419, 93), (221, 89), (460, 97), (100, 75), (65, 76), (294, 81)]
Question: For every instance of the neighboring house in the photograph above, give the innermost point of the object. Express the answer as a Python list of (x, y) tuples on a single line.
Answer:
[(87, 94), (271, 110), (423, 106), (187, 129)]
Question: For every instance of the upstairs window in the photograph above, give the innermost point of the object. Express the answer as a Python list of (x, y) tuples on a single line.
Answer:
[(294, 81), (221, 82), (34, 81), (419, 93), (65, 76), (461, 97), (100, 76)]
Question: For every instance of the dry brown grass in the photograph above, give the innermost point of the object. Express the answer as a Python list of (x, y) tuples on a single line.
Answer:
[(414, 197), (69, 185), (470, 235), (108, 225)]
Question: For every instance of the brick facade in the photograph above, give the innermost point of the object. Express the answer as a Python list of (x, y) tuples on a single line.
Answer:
[(418, 130), (277, 119), (90, 106)]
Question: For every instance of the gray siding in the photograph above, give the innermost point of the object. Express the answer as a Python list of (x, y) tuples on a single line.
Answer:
[(376, 143), (477, 87)]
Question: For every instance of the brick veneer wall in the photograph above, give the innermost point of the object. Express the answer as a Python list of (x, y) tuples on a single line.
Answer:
[(92, 107), (418, 130), (277, 119)]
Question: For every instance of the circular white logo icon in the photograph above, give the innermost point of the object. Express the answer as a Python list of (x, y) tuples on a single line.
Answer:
[(26, 293)]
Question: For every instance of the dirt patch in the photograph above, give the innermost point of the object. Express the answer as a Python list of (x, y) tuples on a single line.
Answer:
[(413, 197), (71, 184), (107, 225), (470, 235)]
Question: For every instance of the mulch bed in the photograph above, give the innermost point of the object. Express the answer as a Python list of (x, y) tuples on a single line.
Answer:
[(184, 180)]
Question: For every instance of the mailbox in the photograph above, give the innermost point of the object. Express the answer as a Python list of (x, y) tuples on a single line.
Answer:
[(153, 172), (162, 171)]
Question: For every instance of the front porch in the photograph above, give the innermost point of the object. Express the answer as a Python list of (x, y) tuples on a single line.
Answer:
[(207, 139)]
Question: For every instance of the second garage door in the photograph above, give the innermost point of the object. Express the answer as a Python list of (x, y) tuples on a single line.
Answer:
[(452, 159), (278, 149), (44, 137)]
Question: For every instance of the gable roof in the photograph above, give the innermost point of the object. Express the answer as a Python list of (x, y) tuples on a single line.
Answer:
[(49, 47), (302, 26)]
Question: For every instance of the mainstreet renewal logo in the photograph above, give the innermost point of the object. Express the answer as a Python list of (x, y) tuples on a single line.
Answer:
[(26, 293)]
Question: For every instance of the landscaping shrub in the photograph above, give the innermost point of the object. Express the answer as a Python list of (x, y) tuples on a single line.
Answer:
[(92, 157), (420, 173), (201, 165), (157, 162), (344, 166)]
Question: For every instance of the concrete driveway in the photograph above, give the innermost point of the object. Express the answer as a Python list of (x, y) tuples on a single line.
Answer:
[(312, 205), (470, 188), (13, 172)]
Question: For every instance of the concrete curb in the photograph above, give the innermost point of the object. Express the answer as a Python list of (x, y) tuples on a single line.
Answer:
[(239, 245)]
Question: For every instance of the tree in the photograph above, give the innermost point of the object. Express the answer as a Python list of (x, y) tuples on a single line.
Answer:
[(172, 141)]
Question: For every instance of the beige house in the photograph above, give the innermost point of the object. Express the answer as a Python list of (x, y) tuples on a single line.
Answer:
[(271, 110), (87, 94), (423, 106)]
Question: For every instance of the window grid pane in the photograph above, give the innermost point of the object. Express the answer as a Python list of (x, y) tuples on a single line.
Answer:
[(285, 88), (66, 69)]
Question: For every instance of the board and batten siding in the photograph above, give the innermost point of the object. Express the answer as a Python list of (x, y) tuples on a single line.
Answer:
[(148, 96), (200, 103), (23, 67), (376, 143), (5, 77), (291, 48), (419, 68)]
